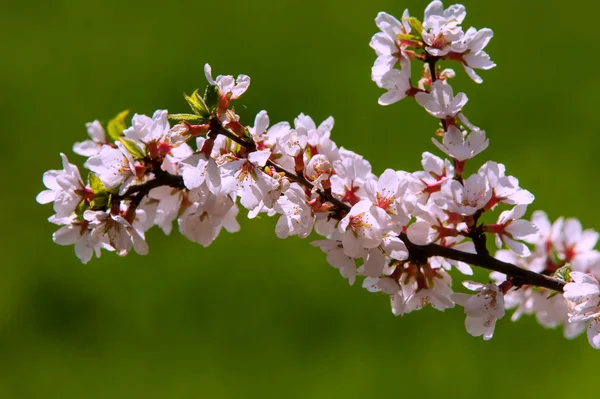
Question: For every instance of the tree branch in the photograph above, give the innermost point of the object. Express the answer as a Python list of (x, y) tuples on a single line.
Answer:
[(519, 276)]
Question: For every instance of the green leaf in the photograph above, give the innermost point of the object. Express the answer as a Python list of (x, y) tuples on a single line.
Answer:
[(116, 125), (408, 36), (81, 208), (99, 201), (96, 184), (187, 117), (198, 105), (564, 273), (133, 148), (416, 27), (212, 98)]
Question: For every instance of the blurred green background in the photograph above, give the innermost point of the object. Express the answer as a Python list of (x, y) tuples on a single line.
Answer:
[(255, 316)]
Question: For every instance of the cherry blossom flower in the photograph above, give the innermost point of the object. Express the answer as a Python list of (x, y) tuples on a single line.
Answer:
[(203, 220), (337, 258), (65, 189), (228, 86), (245, 178), (363, 228), (115, 231), (510, 228), (352, 172), (505, 189), (460, 146), (576, 246), (116, 167), (89, 148), (152, 132), (387, 193), (466, 198), (583, 300), (474, 57), (482, 309), (296, 215), (396, 82), (440, 101), (386, 43), (199, 168), (441, 31), (76, 232), (437, 294), (429, 181)]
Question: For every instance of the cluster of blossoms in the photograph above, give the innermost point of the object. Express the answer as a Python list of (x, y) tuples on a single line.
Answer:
[(401, 232)]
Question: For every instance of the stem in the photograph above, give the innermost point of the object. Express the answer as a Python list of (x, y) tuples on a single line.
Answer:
[(482, 258), (519, 275), (431, 61)]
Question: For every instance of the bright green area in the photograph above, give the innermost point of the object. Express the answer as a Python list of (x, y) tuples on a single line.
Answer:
[(254, 316)]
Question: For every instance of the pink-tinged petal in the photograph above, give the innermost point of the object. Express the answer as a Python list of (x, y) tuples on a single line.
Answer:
[(572, 231), (481, 39), (351, 246), (391, 97), (458, 102), (66, 235), (593, 333), (420, 233), (259, 158), (396, 249), (374, 263), (86, 148), (540, 219), (472, 285), (242, 84), (476, 78), (479, 60), (460, 299), (518, 247), (383, 44), (434, 8), (45, 197), (208, 74), (388, 285), (588, 241), (521, 229), (83, 250), (261, 123), (383, 64)]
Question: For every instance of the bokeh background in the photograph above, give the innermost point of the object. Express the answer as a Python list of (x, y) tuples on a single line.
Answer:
[(255, 316)]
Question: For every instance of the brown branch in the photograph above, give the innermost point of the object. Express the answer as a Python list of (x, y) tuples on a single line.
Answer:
[(482, 258), (431, 61), (521, 276)]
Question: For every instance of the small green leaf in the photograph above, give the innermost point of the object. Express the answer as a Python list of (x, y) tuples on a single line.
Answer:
[(193, 118), (81, 208), (564, 273), (552, 294), (212, 98), (134, 149), (96, 184), (410, 37), (116, 125), (416, 27), (197, 104), (99, 201)]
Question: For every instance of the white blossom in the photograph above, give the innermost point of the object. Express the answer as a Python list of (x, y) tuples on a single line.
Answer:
[(65, 188), (460, 146), (228, 86), (482, 309), (440, 101), (91, 147)]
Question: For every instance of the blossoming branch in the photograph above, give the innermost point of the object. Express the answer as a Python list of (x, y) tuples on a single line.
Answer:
[(401, 232)]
